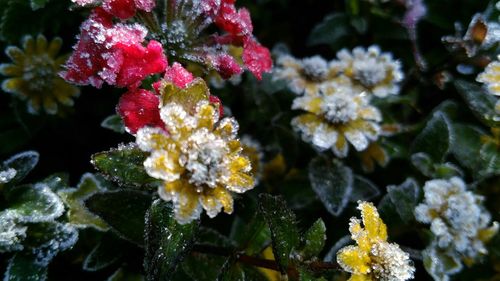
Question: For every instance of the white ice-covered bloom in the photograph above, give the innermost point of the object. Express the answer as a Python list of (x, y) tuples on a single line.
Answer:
[(305, 75), (335, 117), (370, 70), (456, 216), (491, 79), (199, 160)]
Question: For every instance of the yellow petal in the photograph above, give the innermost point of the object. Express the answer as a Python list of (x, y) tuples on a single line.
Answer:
[(360, 277), (7, 69), (41, 44), (374, 226), (354, 260), (207, 115), (54, 47), (227, 128), (15, 54), (14, 86), (28, 44), (50, 105)]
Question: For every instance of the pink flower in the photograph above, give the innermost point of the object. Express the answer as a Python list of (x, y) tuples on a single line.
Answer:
[(113, 54), (257, 58), (178, 75), (237, 23), (123, 9), (139, 108), (226, 66)]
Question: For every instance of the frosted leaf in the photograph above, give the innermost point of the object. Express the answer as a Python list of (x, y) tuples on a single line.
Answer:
[(11, 233), (22, 163), (34, 203), (7, 175), (48, 239), (22, 267)]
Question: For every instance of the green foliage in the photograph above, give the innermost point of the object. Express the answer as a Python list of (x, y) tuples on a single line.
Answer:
[(481, 103), (22, 267), (405, 198), (166, 241), (314, 240), (114, 123), (434, 140), (124, 165), (123, 211)]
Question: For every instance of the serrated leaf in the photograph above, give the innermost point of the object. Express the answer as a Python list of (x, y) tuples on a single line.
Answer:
[(22, 267), (434, 140), (480, 102), (46, 240), (124, 165), (363, 189), (332, 182), (22, 163), (125, 275), (330, 30), (114, 123), (167, 241), (78, 214), (405, 198), (34, 203), (104, 254), (314, 240), (123, 211), (284, 232)]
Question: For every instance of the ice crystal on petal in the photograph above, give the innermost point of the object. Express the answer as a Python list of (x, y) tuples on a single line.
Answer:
[(304, 76), (335, 117), (370, 70), (491, 77), (458, 220), (7, 175), (200, 159), (33, 75), (373, 258)]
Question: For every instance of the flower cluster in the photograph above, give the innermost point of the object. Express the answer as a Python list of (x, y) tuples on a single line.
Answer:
[(373, 258), (368, 71), (491, 78), (196, 153), (335, 117), (459, 222), (33, 75)]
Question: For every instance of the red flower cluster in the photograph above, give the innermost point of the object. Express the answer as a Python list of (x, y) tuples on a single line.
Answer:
[(123, 9), (113, 53)]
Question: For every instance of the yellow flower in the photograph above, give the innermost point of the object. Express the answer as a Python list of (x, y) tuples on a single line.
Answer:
[(200, 158), (336, 117), (306, 75), (491, 77), (34, 75), (373, 258)]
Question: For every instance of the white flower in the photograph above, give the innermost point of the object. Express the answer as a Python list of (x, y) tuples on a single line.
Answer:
[(370, 70)]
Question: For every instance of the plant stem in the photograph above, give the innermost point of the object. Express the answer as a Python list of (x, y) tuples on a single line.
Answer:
[(315, 266)]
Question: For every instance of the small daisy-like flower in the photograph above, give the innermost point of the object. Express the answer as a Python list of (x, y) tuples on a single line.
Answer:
[(336, 117), (198, 156), (306, 75), (33, 75), (491, 78), (458, 220), (370, 70), (373, 258)]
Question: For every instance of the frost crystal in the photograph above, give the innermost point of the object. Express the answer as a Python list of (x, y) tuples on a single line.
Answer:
[(7, 175), (457, 218), (335, 117), (11, 233), (390, 263), (370, 70)]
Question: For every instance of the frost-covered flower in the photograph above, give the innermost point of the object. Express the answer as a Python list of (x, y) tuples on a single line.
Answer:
[(33, 75), (198, 156), (457, 217), (335, 117), (122, 9), (373, 258), (491, 78), (305, 75), (113, 53), (370, 70)]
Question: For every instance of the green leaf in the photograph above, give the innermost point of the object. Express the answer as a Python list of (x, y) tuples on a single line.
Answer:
[(22, 163), (78, 214), (251, 237), (314, 240), (405, 198), (46, 240), (38, 4), (330, 30), (22, 267), (305, 275), (124, 165), (332, 182), (114, 123), (480, 102), (440, 264), (57, 181), (123, 211), (203, 266), (466, 146), (434, 140), (34, 203), (490, 158), (124, 275), (107, 252), (284, 232), (363, 189), (167, 241), (423, 163)]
